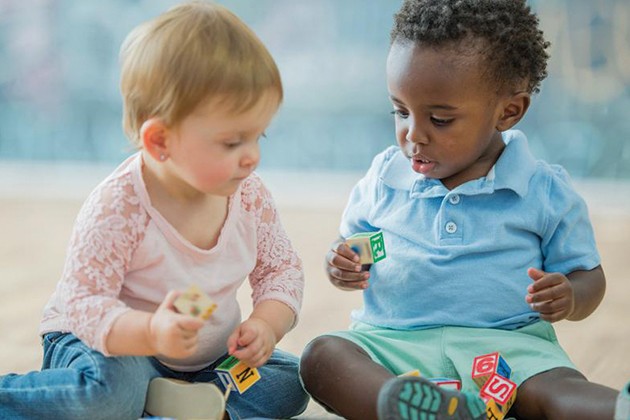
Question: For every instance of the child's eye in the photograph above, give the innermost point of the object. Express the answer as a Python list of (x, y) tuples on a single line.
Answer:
[(441, 121), (400, 113), (232, 145)]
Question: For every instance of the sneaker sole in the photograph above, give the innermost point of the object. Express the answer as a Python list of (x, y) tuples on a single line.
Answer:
[(416, 398), (184, 400), (622, 408)]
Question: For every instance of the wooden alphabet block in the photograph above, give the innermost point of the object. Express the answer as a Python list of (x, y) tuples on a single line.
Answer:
[(492, 411), (486, 365), (447, 383), (414, 372), (368, 245), (501, 391), (238, 374), (195, 302)]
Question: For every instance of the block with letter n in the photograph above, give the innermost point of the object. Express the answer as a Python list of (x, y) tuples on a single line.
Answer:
[(368, 245), (237, 374)]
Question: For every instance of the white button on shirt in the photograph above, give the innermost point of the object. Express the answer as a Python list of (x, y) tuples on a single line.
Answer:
[(454, 199), (451, 227)]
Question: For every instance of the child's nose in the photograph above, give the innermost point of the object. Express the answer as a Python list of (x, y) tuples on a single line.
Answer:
[(251, 156), (415, 134)]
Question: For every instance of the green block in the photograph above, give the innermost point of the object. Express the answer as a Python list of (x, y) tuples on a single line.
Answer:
[(228, 364), (377, 245)]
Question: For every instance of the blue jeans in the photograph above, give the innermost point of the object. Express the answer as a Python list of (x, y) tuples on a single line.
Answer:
[(77, 382)]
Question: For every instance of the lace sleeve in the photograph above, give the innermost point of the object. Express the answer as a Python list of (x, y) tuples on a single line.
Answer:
[(108, 229), (278, 274)]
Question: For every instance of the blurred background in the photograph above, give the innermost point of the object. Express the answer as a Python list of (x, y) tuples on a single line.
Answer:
[(59, 97), (60, 134)]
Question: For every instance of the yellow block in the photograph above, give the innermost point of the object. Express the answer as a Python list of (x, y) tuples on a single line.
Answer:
[(238, 374), (493, 412), (414, 372)]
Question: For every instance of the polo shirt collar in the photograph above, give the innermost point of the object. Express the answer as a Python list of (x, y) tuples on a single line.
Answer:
[(512, 171), (516, 165)]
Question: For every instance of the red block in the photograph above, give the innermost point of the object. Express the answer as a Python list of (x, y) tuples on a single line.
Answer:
[(486, 365), (447, 383), (500, 389)]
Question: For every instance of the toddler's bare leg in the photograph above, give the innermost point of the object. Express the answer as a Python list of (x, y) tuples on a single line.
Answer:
[(563, 393), (342, 377)]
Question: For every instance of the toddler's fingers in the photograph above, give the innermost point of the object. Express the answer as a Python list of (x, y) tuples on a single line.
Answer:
[(189, 343), (169, 300), (342, 262), (232, 341), (350, 285), (347, 276), (247, 337), (544, 307), (246, 354), (550, 315), (188, 334), (552, 292), (535, 274), (259, 359), (345, 251), (343, 265), (189, 323)]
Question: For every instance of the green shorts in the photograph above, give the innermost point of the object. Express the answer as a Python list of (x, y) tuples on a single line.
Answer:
[(448, 352)]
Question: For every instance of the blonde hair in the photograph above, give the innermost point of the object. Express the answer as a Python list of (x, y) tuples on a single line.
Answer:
[(193, 53)]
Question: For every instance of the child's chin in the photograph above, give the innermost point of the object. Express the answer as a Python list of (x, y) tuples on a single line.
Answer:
[(223, 191)]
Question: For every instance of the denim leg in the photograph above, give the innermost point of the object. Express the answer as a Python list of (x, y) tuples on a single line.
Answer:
[(77, 382), (278, 393)]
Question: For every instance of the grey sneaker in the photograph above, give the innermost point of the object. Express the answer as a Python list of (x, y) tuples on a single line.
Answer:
[(184, 400), (622, 409), (410, 397)]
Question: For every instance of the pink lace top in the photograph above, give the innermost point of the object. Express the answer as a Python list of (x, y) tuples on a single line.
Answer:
[(123, 254)]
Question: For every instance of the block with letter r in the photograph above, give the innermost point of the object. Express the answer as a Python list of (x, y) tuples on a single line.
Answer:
[(368, 245)]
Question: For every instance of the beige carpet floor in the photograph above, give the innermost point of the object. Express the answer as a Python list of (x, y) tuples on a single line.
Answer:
[(35, 233)]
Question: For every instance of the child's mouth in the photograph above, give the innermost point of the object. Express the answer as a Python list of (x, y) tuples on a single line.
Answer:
[(422, 166)]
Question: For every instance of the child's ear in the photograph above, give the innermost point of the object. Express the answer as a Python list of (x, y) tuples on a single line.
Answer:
[(153, 134), (514, 108)]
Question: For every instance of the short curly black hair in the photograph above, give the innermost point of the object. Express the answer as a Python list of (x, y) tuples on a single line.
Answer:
[(513, 45)]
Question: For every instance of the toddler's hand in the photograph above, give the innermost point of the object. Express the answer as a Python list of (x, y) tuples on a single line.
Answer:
[(173, 334), (344, 269), (551, 294), (252, 342)]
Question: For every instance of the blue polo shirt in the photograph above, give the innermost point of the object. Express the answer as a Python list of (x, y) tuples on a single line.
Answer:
[(460, 257)]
